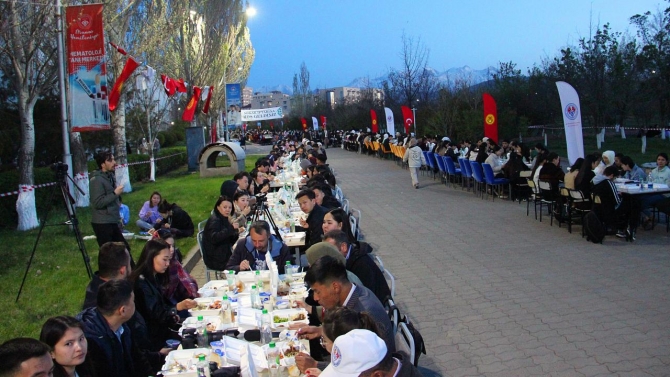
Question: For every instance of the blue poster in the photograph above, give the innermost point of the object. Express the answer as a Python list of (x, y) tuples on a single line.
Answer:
[(233, 105)]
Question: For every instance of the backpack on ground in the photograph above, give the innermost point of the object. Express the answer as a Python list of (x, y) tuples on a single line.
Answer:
[(594, 228)]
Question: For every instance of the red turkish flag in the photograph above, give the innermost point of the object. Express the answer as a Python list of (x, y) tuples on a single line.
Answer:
[(128, 69), (304, 124), (323, 122), (490, 117), (189, 111), (375, 125), (205, 108), (408, 118)]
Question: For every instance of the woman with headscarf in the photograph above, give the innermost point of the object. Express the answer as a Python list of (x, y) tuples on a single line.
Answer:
[(415, 159), (607, 160)]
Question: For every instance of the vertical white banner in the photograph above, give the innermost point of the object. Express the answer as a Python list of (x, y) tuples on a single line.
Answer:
[(572, 120), (315, 123), (390, 126)]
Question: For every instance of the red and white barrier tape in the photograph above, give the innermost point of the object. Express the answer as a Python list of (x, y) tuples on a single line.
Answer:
[(77, 177)]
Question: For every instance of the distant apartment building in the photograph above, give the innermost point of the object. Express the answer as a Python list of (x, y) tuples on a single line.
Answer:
[(247, 93), (271, 99), (343, 95)]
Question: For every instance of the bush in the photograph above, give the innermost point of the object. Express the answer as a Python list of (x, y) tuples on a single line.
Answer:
[(9, 181)]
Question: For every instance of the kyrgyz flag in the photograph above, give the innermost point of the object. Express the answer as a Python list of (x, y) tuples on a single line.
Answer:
[(490, 117), (408, 118), (375, 126), (304, 124), (189, 111), (323, 122), (207, 97), (128, 70)]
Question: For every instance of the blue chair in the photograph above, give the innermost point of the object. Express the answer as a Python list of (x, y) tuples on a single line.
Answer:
[(466, 172), (478, 176), (451, 168), (493, 182), (440, 166)]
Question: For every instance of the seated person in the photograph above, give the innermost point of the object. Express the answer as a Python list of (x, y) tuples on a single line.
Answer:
[(113, 263), (569, 178), (337, 219), (110, 345), (584, 179), (315, 213), (495, 161), (175, 219), (260, 184), (241, 209), (181, 285), (360, 262), (150, 278), (660, 174), (253, 247), (124, 215), (327, 278), (324, 196), (149, 214), (551, 171), (618, 214), (607, 159), (363, 353), (25, 357), (632, 172), (65, 336), (239, 183), (219, 235)]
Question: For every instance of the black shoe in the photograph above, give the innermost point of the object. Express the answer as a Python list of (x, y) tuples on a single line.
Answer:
[(622, 234)]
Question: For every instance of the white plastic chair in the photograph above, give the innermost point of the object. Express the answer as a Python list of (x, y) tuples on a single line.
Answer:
[(404, 341), (202, 257), (394, 314), (201, 225), (345, 205), (387, 274)]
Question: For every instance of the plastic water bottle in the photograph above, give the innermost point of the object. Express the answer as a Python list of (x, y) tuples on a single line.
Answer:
[(259, 281), (266, 327), (650, 181), (202, 367), (225, 314), (287, 271), (255, 299), (273, 359), (230, 277), (200, 327), (292, 224)]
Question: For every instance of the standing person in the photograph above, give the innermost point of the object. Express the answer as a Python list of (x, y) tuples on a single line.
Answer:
[(149, 214), (415, 159), (25, 357), (65, 336), (105, 201)]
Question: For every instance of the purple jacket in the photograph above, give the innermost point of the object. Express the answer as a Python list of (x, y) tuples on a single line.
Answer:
[(149, 214)]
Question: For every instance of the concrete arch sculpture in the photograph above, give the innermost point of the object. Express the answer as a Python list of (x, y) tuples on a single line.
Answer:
[(210, 152)]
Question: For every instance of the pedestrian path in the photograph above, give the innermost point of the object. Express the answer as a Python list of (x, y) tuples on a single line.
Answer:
[(497, 293)]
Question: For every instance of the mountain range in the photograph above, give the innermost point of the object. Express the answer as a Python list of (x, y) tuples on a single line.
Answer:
[(448, 77)]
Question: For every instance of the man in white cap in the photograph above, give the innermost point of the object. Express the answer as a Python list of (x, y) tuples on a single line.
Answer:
[(363, 353)]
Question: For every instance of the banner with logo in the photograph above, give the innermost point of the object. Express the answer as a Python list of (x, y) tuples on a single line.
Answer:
[(262, 114), (408, 118), (315, 124), (87, 72), (234, 105), (572, 120), (390, 126), (373, 116), (490, 117)]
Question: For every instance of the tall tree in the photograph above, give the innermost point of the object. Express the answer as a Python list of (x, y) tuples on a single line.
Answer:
[(304, 88), (28, 48), (413, 80)]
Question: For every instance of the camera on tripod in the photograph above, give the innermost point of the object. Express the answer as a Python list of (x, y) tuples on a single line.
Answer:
[(60, 169)]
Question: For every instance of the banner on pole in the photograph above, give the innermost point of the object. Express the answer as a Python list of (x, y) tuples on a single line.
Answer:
[(390, 126), (375, 125), (87, 72), (408, 118), (262, 114), (490, 117), (315, 124), (572, 120), (233, 105), (323, 122)]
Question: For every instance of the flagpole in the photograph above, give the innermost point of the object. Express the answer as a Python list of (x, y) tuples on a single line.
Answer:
[(67, 156), (414, 116)]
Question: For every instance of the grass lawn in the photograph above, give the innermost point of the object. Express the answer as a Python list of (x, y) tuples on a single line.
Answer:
[(57, 278)]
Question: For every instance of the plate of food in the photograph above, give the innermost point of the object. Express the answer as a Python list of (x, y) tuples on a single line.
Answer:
[(286, 317), (209, 306)]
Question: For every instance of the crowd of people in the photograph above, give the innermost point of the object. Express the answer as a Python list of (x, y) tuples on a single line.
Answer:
[(131, 309)]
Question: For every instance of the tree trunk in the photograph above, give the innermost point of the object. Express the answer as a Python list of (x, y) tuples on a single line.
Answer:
[(80, 169), (25, 203), (119, 132)]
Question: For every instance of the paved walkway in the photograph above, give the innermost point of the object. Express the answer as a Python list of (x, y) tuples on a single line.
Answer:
[(497, 293)]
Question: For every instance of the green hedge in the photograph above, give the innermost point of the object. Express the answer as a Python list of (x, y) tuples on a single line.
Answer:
[(9, 181)]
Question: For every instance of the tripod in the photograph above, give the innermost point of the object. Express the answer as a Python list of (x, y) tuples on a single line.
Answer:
[(61, 179), (262, 209)]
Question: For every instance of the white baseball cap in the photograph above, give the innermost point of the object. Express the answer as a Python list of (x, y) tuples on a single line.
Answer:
[(355, 352)]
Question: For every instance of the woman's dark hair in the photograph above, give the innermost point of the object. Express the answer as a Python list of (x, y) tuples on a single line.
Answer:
[(239, 194), (341, 320), (165, 206), (525, 151), (577, 165), (541, 147), (222, 199), (145, 265), (53, 331), (587, 166), (152, 195), (628, 161), (164, 234), (342, 217), (662, 154), (541, 158), (552, 156), (495, 148)]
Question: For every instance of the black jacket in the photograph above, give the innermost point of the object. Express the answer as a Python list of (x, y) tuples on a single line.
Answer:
[(218, 239), (315, 222), (360, 262), (244, 250), (109, 356), (229, 188), (180, 222), (330, 202), (91, 297), (158, 313)]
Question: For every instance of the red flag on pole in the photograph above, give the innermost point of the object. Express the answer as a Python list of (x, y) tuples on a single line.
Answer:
[(205, 107), (128, 70), (408, 118), (375, 126), (490, 117), (323, 122), (119, 49), (189, 111), (168, 85), (180, 85), (304, 124)]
